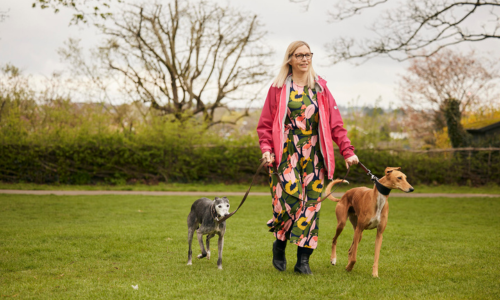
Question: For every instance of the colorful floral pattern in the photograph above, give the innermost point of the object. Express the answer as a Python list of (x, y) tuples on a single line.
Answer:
[(297, 185)]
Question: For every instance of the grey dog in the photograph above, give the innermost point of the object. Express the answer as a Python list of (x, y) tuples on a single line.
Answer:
[(202, 219)]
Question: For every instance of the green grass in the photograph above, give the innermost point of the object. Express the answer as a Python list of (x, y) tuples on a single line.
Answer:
[(184, 187), (97, 247), (202, 187)]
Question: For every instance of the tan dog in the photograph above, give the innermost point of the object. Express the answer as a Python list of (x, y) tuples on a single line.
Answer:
[(366, 209)]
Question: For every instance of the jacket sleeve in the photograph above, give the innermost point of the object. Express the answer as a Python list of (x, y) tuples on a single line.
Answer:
[(339, 133), (265, 125)]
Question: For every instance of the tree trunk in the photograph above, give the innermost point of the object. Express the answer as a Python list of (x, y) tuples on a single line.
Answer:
[(456, 132)]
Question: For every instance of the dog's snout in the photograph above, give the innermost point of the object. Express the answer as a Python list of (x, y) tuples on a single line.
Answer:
[(411, 190)]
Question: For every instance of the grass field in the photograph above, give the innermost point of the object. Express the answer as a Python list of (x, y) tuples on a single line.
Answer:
[(202, 187), (97, 247)]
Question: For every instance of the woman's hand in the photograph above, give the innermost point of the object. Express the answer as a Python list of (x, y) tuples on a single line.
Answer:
[(268, 157), (353, 160)]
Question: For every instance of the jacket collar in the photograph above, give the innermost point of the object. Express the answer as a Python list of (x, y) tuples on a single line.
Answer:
[(320, 83)]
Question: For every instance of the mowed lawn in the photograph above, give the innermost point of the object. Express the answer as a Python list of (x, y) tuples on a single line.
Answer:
[(98, 247)]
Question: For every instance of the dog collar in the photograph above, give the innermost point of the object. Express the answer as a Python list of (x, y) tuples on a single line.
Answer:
[(382, 188), (214, 213)]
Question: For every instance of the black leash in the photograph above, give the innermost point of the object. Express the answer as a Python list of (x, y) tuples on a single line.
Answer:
[(262, 164)]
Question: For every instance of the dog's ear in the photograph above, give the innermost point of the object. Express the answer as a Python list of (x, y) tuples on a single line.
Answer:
[(389, 170)]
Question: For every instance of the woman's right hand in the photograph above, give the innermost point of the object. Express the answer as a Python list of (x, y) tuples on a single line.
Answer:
[(268, 157)]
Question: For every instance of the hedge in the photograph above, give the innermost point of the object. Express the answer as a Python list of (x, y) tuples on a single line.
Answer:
[(118, 162)]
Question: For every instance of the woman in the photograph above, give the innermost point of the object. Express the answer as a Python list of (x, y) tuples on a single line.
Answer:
[(298, 123)]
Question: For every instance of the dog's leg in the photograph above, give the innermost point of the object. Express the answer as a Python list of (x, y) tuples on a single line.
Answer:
[(378, 241), (200, 241), (378, 245), (190, 241), (353, 251), (192, 225), (208, 245), (221, 245), (341, 212)]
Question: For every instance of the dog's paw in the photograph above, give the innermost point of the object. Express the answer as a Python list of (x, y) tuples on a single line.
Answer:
[(189, 263), (334, 261), (219, 267), (202, 255), (349, 267), (208, 255)]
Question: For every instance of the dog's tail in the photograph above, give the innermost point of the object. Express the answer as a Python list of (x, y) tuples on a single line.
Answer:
[(329, 188)]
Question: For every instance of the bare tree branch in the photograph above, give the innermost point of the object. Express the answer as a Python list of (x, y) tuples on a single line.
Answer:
[(4, 15), (85, 9), (428, 25), (343, 11), (306, 3), (187, 58)]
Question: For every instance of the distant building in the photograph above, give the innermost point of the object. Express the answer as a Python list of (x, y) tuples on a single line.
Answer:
[(483, 129), (398, 135)]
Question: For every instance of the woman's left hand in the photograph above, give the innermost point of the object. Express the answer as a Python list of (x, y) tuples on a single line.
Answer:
[(353, 160)]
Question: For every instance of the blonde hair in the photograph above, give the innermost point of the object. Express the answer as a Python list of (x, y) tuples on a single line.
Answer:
[(286, 68)]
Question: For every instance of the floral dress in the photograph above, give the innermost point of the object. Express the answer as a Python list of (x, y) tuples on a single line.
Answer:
[(297, 184)]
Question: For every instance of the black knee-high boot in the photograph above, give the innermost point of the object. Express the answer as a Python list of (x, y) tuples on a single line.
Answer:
[(279, 258), (302, 265)]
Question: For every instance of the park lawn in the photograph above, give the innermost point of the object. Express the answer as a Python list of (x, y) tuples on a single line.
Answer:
[(220, 187), (98, 247)]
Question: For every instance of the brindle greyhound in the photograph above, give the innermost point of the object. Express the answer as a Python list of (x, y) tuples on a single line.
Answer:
[(202, 219), (366, 209)]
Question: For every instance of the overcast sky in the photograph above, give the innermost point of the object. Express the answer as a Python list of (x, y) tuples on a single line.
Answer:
[(29, 39)]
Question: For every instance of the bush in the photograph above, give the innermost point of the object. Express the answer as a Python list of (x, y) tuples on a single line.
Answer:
[(116, 161)]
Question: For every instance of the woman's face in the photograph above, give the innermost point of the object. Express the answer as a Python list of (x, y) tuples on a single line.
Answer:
[(300, 65)]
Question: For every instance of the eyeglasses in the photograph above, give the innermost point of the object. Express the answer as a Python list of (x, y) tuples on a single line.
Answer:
[(307, 56)]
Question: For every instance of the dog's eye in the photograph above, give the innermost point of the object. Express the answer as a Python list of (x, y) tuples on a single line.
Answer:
[(227, 205), (219, 206), (400, 178)]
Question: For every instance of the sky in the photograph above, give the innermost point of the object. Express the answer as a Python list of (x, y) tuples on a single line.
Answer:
[(29, 39)]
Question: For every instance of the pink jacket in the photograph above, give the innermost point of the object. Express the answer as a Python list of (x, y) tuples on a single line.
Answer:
[(271, 127)]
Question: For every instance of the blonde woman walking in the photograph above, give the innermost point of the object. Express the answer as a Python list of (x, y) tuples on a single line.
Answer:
[(299, 120)]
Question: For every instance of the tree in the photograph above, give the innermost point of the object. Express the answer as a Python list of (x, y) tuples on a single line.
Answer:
[(186, 59), (415, 28), (85, 9), (456, 132), (438, 89)]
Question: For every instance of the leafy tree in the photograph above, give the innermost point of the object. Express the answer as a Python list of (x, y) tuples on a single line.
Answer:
[(456, 132), (437, 90)]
